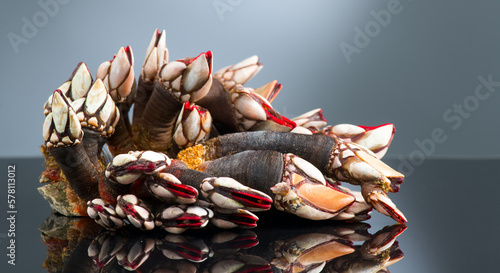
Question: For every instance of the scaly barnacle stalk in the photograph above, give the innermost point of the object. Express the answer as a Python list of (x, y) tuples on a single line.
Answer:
[(223, 192), (156, 57), (98, 116), (63, 137), (338, 160), (118, 78), (179, 81)]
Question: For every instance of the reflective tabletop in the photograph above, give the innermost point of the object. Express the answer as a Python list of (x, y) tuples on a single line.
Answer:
[(452, 220)]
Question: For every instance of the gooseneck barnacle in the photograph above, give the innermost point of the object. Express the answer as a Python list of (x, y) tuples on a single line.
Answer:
[(202, 149)]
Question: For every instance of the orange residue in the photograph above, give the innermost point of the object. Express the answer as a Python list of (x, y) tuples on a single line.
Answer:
[(192, 156)]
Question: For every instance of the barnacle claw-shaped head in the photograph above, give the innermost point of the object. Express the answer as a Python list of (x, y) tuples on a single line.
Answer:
[(378, 199), (358, 211), (309, 252), (75, 88), (312, 120), (239, 73), (128, 168), (104, 248), (178, 218), (97, 111), (304, 192), (135, 252), (192, 126), (227, 193), (269, 91), (168, 188), (118, 74), (355, 164), (376, 253), (189, 79), (376, 139), (179, 247), (81, 80), (382, 240), (156, 56), (251, 108), (226, 218), (135, 211), (104, 214), (61, 126)]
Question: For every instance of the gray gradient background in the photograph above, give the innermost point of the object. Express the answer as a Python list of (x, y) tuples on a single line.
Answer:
[(426, 60)]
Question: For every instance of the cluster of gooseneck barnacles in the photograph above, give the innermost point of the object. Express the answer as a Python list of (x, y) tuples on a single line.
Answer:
[(194, 131)]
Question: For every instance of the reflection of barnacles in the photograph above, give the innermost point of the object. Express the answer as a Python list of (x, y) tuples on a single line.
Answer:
[(202, 148), (328, 248)]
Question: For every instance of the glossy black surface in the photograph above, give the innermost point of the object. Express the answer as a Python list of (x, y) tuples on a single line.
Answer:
[(451, 206)]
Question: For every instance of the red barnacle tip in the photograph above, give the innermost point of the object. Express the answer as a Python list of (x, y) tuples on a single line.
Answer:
[(130, 55), (251, 200), (158, 34), (246, 241), (149, 167), (189, 221), (278, 118), (272, 114), (182, 190), (209, 56), (188, 60), (319, 115), (189, 252), (244, 220), (386, 236), (189, 107), (369, 128)]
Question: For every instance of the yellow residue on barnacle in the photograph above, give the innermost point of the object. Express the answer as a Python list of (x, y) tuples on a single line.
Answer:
[(192, 156)]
